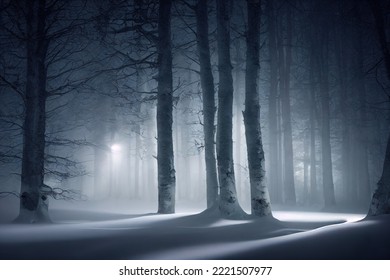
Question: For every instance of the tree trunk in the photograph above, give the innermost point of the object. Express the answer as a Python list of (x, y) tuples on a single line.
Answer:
[(363, 177), (285, 60), (306, 161), (137, 148), (137, 136), (327, 172), (100, 162), (313, 105), (346, 163), (228, 204), (165, 162), (260, 204), (237, 116), (185, 141), (208, 97), (33, 201), (150, 166), (274, 164), (381, 31), (280, 150), (380, 203), (180, 164)]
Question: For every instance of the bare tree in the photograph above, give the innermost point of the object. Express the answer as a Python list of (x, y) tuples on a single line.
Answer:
[(34, 205), (380, 203), (43, 44), (208, 94), (228, 205), (274, 163), (260, 204), (165, 163)]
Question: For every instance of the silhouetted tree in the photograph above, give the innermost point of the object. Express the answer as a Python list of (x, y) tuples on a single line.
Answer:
[(323, 68), (33, 202), (165, 163), (380, 203)]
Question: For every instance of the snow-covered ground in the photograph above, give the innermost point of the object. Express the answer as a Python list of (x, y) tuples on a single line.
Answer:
[(100, 231)]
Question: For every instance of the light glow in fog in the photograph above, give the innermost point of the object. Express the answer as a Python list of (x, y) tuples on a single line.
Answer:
[(115, 148)]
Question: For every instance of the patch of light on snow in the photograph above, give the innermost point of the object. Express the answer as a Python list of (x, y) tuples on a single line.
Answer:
[(223, 223), (295, 216), (133, 223)]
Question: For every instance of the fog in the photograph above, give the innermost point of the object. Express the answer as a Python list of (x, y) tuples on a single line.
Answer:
[(119, 111)]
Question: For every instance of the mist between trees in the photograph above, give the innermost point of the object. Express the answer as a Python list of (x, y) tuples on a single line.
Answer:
[(230, 104)]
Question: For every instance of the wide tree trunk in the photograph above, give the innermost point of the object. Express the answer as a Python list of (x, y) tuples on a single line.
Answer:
[(208, 97), (165, 162), (260, 204), (33, 199), (380, 203), (228, 203)]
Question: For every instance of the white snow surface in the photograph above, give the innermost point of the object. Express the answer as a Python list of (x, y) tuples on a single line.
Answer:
[(81, 231)]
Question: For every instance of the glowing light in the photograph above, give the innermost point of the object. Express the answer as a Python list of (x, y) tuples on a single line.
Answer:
[(115, 148), (295, 216)]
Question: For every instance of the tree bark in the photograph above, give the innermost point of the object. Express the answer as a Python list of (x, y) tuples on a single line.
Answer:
[(165, 160), (274, 164), (208, 97), (380, 203), (228, 203), (376, 9), (260, 204), (33, 201)]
